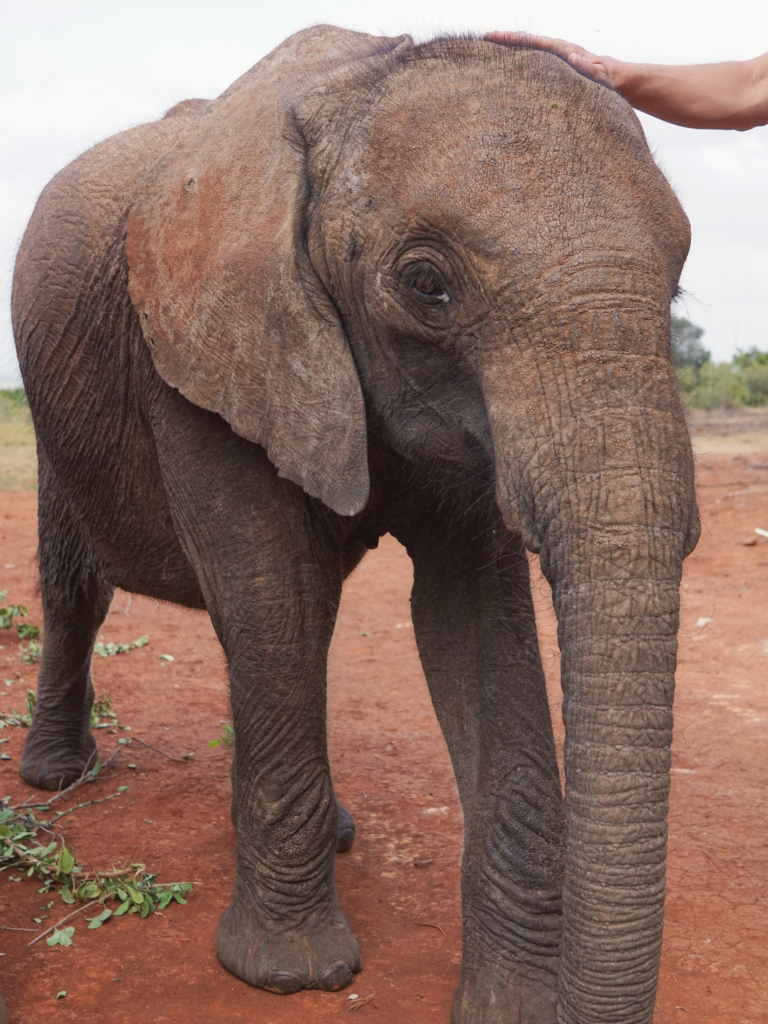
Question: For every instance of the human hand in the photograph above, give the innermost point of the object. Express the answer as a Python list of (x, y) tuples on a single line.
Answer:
[(602, 69)]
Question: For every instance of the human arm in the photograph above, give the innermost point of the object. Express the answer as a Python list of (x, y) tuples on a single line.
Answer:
[(732, 94)]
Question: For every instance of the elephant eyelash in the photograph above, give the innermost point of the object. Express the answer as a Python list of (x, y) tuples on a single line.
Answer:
[(431, 297), (427, 284)]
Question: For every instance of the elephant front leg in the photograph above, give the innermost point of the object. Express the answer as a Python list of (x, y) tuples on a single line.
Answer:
[(476, 633), (284, 930), (271, 573)]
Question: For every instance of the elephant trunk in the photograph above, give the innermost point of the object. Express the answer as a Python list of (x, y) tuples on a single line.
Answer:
[(618, 642), (594, 467)]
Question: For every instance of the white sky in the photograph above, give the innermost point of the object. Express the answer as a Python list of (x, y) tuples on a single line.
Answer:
[(73, 72)]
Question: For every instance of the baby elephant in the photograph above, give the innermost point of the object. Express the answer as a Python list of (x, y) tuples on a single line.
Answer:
[(379, 287)]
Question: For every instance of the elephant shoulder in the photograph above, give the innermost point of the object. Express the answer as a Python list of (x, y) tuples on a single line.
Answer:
[(78, 223), (97, 187)]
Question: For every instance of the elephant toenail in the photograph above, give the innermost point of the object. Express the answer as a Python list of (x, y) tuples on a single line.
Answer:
[(337, 975), (285, 983)]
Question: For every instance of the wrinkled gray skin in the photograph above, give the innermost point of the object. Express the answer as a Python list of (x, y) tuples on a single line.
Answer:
[(377, 287)]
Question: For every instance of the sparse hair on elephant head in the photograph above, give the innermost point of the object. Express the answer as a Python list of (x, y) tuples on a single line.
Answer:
[(230, 305)]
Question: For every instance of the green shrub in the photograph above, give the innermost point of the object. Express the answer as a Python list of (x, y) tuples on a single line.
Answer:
[(687, 379), (752, 357), (685, 342), (726, 385), (15, 418), (15, 396), (720, 386), (756, 377)]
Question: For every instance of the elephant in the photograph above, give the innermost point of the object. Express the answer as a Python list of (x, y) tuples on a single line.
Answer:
[(385, 287)]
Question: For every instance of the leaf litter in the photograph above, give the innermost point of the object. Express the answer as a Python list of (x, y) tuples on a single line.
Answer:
[(134, 888)]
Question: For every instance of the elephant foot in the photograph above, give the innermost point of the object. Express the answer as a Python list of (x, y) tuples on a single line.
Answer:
[(54, 764), (320, 952), (346, 834), (488, 994), (3, 1012)]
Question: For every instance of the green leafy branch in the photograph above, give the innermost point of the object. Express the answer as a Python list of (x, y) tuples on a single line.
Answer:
[(109, 650), (102, 715), (227, 737), (135, 889), (14, 611), (19, 717), (31, 651)]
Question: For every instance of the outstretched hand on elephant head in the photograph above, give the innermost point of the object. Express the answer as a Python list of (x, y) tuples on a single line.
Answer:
[(729, 95), (602, 69)]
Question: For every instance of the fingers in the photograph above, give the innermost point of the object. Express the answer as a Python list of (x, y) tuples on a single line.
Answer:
[(579, 58), (516, 38), (592, 66), (557, 46)]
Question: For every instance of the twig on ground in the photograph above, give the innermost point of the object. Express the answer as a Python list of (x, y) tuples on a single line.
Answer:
[(143, 743), (78, 807), (7, 928), (88, 775), (426, 924), (358, 1004), (64, 920)]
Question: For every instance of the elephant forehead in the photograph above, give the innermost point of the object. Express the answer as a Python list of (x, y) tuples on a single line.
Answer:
[(450, 119), (516, 158)]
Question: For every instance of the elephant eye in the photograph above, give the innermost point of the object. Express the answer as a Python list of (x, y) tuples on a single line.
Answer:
[(427, 284)]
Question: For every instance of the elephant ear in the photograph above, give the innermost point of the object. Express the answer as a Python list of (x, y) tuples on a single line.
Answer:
[(229, 303)]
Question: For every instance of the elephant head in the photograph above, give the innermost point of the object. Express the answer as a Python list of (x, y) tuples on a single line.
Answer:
[(470, 252)]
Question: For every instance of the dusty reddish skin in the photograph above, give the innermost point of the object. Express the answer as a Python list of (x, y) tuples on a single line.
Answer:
[(385, 742)]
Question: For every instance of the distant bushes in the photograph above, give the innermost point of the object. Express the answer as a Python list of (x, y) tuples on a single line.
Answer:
[(716, 386), (708, 385), (15, 396), (15, 418)]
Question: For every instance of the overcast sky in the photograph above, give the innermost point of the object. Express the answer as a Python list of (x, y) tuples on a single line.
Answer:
[(73, 72)]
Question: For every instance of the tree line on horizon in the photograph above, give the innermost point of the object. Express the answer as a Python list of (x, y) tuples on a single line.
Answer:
[(708, 385)]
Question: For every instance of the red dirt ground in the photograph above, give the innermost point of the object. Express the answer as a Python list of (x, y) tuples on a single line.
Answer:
[(391, 768)]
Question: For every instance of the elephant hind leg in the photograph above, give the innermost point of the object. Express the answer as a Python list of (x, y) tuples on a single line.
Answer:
[(76, 599)]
